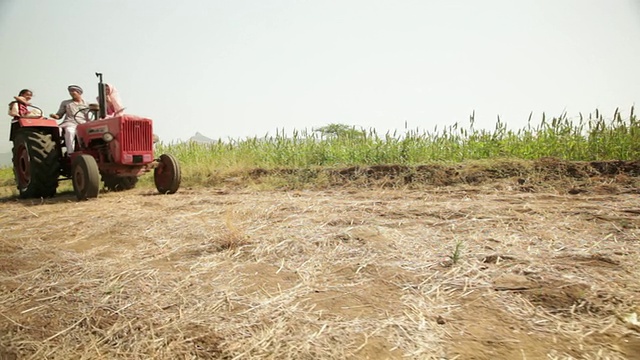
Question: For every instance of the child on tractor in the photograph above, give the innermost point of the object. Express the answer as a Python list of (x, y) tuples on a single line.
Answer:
[(19, 106)]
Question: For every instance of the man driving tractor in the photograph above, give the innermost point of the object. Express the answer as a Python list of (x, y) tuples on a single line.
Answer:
[(70, 108)]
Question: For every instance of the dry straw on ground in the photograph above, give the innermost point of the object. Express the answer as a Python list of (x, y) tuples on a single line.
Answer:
[(324, 274)]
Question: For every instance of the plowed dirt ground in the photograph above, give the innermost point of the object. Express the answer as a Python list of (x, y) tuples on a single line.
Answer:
[(497, 269)]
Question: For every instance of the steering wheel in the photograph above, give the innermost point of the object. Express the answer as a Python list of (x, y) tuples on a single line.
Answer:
[(88, 114)]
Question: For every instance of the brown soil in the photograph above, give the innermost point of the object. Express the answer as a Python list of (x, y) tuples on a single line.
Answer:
[(364, 270)]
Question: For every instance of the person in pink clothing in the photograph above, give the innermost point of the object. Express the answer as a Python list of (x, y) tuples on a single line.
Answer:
[(114, 104)]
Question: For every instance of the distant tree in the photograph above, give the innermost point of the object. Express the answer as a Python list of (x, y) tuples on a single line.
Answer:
[(340, 130)]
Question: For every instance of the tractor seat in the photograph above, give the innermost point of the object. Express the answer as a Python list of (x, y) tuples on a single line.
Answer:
[(94, 107)]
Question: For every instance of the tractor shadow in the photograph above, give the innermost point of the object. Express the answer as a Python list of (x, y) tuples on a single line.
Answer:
[(65, 196), (155, 194), (60, 197)]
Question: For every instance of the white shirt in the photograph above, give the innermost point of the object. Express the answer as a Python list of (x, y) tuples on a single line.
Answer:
[(69, 108)]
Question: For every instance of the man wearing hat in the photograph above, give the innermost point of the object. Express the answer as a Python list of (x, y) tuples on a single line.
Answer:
[(71, 109)]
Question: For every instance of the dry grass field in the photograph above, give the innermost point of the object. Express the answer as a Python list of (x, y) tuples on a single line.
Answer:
[(503, 267)]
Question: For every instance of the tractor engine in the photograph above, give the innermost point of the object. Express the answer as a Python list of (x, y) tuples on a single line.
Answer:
[(121, 140), (123, 145)]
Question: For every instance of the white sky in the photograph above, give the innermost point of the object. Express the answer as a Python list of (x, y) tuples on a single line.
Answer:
[(243, 68)]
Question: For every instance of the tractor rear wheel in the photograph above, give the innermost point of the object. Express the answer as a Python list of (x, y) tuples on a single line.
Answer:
[(36, 163), (167, 175), (86, 177), (119, 183)]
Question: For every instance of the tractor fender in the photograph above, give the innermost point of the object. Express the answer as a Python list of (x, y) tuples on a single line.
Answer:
[(27, 122), (38, 122)]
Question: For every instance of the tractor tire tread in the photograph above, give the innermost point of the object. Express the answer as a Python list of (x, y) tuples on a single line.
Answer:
[(45, 163)]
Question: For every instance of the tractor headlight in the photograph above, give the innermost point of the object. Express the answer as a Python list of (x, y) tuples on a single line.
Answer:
[(107, 137)]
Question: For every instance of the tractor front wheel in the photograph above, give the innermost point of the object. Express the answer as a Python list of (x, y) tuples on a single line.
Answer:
[(86, 177), (167, 175)]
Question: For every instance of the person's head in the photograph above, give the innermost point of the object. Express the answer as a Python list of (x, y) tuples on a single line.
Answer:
[(107, 89), (26, 93), (75, 91)]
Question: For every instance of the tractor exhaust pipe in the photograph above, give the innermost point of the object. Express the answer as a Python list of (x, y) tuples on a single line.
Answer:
[(102, 98)]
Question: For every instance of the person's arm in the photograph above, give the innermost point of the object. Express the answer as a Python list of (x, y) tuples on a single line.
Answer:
[(14, 110), (61, 111), (22, 100)]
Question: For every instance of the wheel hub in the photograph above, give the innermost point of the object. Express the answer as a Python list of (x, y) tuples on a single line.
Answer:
[(23, 166), (79, 179)]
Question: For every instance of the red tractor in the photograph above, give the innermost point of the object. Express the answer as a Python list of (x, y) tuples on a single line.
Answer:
[(114, 150)]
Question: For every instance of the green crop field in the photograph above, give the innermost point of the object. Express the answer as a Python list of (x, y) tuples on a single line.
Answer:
[(587, 138)]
